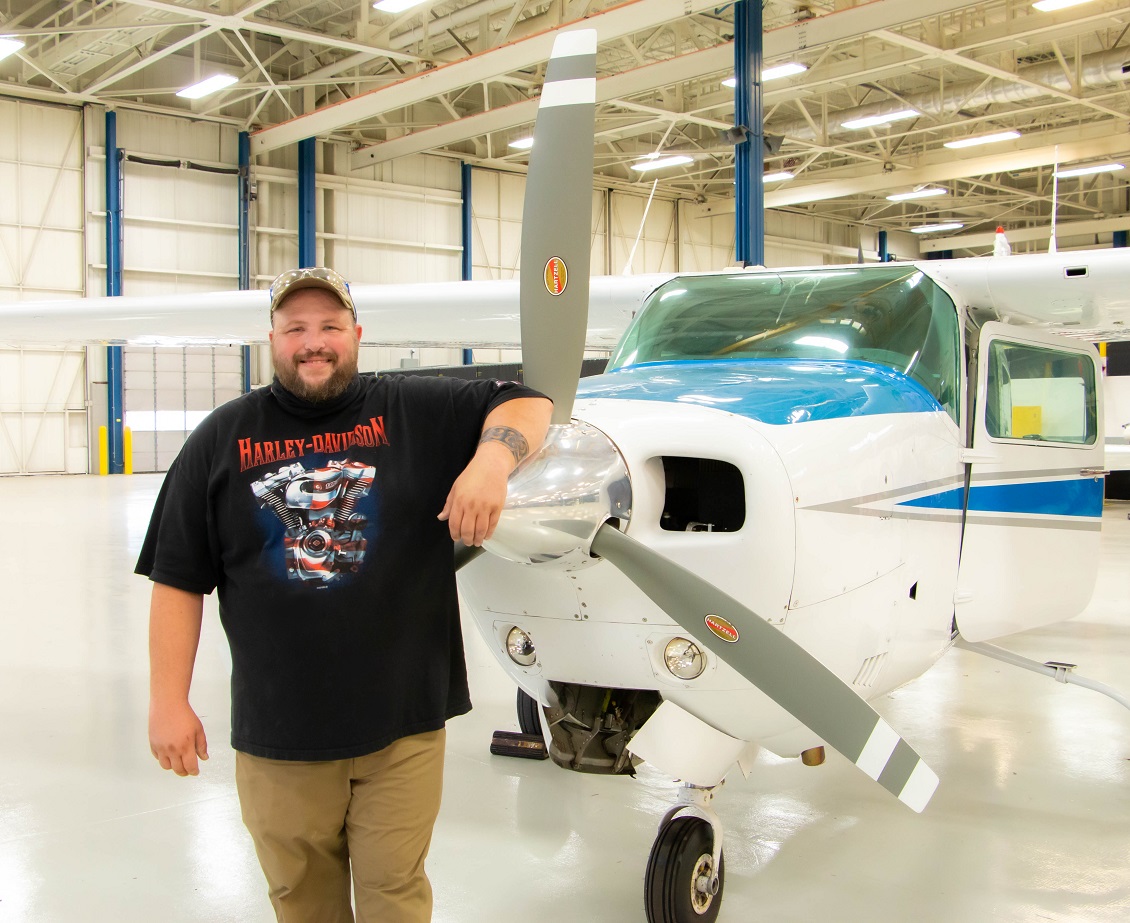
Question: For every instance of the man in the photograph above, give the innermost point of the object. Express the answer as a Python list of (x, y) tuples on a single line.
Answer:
[(323, 509)]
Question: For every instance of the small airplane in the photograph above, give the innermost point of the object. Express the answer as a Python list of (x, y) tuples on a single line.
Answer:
[(792, 491)]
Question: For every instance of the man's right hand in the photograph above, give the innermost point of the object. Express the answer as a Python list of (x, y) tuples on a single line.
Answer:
[(176, 738)]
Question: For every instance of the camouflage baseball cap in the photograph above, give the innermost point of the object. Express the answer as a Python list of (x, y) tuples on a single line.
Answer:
[(314, 277)]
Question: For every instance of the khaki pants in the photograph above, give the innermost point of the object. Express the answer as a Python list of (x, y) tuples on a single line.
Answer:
[(312, 820)]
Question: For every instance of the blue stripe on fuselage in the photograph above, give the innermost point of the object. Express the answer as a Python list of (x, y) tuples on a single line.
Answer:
[(773, 391), (1075, 497)]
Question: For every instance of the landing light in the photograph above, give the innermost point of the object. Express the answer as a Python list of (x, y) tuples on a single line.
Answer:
[(520, 648), (684, 658)]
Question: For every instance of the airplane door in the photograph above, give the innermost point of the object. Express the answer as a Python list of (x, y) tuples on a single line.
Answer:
[(1031, 544)]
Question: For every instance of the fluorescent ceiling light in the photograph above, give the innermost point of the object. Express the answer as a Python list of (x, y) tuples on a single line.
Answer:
[(211, 85), (660, 163), (931, 228), (873, 120), (772, 73), (783, 70), (9, 46), (396, 6), (776, 177), (916, 194), (983, 139), (1049, 6), (1087, 171), (522, 144)]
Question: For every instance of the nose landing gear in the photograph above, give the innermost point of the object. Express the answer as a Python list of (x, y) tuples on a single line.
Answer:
[(686, 870)]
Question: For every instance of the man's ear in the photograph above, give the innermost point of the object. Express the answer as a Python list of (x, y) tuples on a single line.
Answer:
[(270, 336), (357, 327)]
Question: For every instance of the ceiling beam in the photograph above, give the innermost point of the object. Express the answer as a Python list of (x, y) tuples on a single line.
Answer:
[(610, 24), (989, 70), (615, 22), (1063, 231), (617, 86), (242, 21), (948, 168), (111, 79)]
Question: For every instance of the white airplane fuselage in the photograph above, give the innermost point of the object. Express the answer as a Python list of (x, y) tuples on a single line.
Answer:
[(838, 583), (840, 522)]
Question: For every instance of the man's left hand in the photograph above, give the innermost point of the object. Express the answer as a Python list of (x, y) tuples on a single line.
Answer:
[(476, 498)]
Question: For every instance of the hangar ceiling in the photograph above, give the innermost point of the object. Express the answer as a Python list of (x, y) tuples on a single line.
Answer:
[(462, 77)]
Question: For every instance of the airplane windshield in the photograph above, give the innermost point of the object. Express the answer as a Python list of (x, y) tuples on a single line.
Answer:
[(892, 315)]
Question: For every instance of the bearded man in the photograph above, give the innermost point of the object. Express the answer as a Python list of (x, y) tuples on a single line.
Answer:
[(322, 509)]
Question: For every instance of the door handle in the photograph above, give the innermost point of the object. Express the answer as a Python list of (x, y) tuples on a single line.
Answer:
[(1094, 473)]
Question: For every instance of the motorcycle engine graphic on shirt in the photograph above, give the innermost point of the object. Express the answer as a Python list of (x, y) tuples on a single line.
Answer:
[(323, 537)]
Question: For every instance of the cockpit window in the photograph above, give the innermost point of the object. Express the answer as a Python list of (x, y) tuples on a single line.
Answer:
[(892, 315)]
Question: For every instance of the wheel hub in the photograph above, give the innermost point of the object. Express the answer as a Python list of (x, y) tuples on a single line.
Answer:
[(704, 885)]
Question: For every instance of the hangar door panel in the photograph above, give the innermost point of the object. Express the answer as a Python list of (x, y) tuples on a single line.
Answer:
[(1030, 552), (167, 391), (41, 209), (42, 411)]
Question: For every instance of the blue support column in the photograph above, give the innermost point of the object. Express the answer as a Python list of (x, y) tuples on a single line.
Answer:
[(883, 255), (467, 266), (307, 223), (749, 161), (245, 239), (1119, 239), (116, 413)]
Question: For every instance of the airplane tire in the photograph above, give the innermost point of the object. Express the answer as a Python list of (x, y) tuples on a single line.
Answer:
[(680, 855), (529, 714)]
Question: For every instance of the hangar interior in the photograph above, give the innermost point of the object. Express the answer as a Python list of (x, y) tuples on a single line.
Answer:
[(398, 102), (1032, 820)]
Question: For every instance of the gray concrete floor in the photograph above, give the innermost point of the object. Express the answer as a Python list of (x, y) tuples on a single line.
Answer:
[(1031, 823)]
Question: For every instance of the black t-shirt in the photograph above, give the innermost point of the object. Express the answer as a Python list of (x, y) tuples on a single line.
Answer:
[(317, 525)]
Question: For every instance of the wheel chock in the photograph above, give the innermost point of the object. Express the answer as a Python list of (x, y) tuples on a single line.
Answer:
[(523, 746)]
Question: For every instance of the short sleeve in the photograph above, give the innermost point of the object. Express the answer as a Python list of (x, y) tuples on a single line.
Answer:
[(179, 550)]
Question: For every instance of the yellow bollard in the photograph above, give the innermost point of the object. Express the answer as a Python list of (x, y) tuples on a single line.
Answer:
[(103, 450), (127, 450)]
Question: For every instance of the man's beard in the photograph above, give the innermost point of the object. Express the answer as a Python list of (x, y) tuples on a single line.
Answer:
[(290, 378)]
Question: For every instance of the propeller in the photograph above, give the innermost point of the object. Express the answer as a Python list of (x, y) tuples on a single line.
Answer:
[(554, 297), (557, 224)]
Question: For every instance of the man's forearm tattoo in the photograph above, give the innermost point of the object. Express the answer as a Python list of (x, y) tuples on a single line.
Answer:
[(509, 437)]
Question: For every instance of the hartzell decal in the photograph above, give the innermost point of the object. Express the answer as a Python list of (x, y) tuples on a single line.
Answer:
[(254, 454)]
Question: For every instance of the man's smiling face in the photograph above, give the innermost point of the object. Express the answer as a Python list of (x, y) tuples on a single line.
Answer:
[(314, 344)]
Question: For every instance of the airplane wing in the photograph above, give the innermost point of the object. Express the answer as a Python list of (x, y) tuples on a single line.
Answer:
[(471, 314), (1083, 293)]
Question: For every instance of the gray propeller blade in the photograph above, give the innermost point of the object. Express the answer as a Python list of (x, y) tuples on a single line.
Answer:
[(557, 224), (465, 554), (776, 665)]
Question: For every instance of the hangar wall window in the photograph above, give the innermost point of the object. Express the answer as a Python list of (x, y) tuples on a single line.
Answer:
[(1040, 394), (891, 315)]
